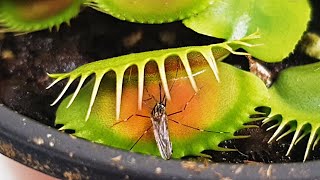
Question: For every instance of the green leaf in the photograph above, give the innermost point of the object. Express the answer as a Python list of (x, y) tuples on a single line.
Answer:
[(221, 108), (296, 97), (281, 24), (154, 12)]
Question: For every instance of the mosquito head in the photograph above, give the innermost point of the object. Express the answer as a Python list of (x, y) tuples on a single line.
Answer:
[(158, 111)]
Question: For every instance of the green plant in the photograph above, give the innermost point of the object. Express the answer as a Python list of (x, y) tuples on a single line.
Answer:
[(232, 19), (294, 103), (279, 25)]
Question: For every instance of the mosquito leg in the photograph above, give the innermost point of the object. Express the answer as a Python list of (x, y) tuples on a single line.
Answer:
[(127, 119), (186, 105), (174, 81), (160, 93), (150, 95), (144, 102), (202, 130), (130, 73), (176, 112), (148, 99), (143, 116), (145, 132)]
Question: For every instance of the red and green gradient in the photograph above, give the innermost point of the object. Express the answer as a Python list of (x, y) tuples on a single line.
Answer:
[(34, 15), (32, 10), (217, 106)]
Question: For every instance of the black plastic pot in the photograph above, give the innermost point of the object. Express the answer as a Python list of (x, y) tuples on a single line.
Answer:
[(60, 155)]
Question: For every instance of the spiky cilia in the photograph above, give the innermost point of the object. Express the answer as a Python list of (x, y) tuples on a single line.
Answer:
[(119, 65)]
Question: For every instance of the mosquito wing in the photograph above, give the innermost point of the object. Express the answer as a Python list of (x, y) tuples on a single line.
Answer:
[(161, 135)]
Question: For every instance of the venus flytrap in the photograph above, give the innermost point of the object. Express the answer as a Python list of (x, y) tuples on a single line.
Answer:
[(112, 108), (196, 120)]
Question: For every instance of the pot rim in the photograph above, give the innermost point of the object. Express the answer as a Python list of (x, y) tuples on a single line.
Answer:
[(61, 155)]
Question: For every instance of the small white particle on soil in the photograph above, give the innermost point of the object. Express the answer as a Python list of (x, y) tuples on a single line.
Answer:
[(1, 105), (38, 140), (132, 161), (117, 158), (23, 119), (49, 135), (51, 144), (261, 171), (189, 165), (226, 178), (238, 170), (158, 170), (269, 171), (7, 54), (73, 137), (201, 166), (71, 154)]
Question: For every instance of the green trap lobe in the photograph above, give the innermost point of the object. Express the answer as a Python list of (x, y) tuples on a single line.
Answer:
[(210, 109), (154, 12), (295, 95)]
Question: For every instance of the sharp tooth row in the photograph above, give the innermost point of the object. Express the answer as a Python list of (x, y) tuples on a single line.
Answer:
[(206, 51), (300, 131)]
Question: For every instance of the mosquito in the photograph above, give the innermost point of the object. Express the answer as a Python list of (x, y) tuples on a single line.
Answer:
[(159, 119)]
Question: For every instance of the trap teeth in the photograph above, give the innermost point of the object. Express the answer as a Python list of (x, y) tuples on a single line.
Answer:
[(120, 64)]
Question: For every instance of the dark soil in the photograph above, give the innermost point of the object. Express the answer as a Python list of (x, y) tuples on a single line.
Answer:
[(25, 60)]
